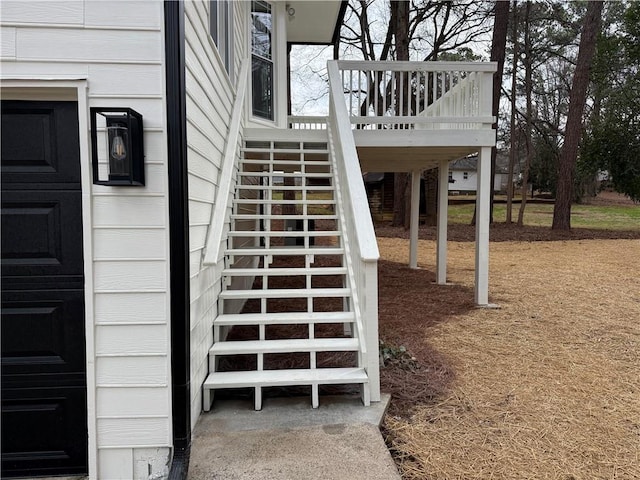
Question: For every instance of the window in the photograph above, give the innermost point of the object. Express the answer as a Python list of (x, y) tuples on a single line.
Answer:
[(465, 175), (261, 60), (220, 25)]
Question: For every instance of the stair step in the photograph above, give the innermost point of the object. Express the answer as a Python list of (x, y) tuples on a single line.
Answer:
[(286, 175), (285, 346), (257, 161), (284, 318), (285, 271), (285, 293), (255, 201), (275, 378), (257, 216), (285, 233), (312, 188), (286, 251)]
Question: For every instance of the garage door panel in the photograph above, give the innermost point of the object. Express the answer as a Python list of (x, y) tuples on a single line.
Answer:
[(41, 331), (41, 233), (47, 414), (40, 142)]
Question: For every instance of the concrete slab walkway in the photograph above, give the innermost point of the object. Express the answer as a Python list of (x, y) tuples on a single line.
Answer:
[(289, 440)]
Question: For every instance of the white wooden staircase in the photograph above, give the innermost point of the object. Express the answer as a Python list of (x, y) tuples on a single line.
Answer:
[(287, 234)]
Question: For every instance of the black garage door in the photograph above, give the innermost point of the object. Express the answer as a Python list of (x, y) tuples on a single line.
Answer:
[(44, 405)]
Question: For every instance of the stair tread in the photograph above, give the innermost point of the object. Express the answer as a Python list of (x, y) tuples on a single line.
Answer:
[(284, 318), (285, 377), (293, 271), (286, 251), (252, 216), (285, 293), (284, 233), (285, 346), (255, 201), (313, 188)]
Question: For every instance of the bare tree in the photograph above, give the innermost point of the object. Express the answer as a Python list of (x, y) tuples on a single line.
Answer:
[(577, 99), (498, 53), (512, 134), (528, 62)]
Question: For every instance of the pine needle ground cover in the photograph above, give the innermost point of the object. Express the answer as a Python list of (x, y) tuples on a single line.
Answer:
[(545, 387)]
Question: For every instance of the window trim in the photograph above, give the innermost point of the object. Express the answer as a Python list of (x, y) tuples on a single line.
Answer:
[(221, 18), (256, 56)]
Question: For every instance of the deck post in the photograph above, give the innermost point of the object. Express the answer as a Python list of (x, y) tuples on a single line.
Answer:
[(415, 218), (442, 219), (482, 226)]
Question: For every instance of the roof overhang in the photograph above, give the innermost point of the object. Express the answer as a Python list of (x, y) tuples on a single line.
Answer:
[(314, 21)]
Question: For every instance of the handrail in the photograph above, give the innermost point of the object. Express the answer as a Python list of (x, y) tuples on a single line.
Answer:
[(219, 210), (364, 225), (405, 66), (359, 240)]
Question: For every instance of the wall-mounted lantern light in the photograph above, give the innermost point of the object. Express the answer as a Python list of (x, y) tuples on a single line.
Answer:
[(117, 147)]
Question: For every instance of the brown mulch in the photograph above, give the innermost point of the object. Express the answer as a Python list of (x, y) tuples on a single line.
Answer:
[(545, 387), (503, 232)]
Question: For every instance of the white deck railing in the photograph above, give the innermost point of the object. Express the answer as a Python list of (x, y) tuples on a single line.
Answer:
[(361, 247), (406, 95)]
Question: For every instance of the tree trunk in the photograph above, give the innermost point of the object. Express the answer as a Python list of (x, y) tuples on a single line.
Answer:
[(400, 17), (498, 51), (512, 134), (577, 99), (528, 60)]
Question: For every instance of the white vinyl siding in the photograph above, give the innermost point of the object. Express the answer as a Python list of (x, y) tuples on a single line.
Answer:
[(118, 47), (210, 97)]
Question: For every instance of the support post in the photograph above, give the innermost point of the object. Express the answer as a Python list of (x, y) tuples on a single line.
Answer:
[(482, 226), (443, 210), (415, 218)]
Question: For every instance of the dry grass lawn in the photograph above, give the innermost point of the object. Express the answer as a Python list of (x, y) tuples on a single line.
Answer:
[(545, 387)]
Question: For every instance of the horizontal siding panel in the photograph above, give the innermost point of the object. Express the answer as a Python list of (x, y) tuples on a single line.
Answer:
[(130, 307), (39, 69), (131, 339), (151, 109), (197, 236), (195, 259), (87, 44), (200, 189), (7, 44), (130, 243), (212, 125), (204, 144), (155, 179), (126, 79), (67, 12), (129, 211), (199, 212), (130, 275), (202, 166), (133, 431), (142, 13), (132, 401), (132, 370)]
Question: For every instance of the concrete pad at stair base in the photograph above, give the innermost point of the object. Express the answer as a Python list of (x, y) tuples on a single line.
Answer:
[(290, 440)]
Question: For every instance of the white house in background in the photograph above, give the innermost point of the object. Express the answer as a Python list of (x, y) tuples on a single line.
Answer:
[(125, 268), (463, 174)]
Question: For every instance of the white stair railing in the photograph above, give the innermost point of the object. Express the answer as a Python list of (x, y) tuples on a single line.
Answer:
[(222, 206), (361, 248), (391, 94)]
